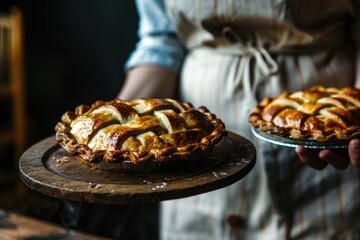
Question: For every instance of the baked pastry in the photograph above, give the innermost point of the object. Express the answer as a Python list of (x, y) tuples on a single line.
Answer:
[(140, 131), (317, 113)]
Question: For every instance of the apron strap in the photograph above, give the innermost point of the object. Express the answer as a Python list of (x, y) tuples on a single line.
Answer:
[(244, 48)]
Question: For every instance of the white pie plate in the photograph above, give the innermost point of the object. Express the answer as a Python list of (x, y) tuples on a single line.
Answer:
[(291, 142)]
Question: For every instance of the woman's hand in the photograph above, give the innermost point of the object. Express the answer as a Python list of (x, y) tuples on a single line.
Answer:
[(339, 159)]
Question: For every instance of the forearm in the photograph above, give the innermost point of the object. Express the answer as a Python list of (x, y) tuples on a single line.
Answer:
[(148, 82), (357, 70)]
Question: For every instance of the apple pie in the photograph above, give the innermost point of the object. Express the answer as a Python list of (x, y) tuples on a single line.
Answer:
[(317, 113), (139, 131)]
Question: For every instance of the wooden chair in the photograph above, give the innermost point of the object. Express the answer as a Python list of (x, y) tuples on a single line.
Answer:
[(13, 122)]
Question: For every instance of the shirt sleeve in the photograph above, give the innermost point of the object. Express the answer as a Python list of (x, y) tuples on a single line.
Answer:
[(158, 43)]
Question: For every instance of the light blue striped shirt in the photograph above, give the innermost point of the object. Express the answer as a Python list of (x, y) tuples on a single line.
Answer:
[(158, 43)]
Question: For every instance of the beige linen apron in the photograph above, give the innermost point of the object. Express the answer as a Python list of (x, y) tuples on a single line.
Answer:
[(240, 52)]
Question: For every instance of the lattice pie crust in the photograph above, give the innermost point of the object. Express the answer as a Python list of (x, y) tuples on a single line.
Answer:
[(140, 131), (319, 113)]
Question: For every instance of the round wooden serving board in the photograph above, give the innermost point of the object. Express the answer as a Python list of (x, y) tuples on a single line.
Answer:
[(47, 168)]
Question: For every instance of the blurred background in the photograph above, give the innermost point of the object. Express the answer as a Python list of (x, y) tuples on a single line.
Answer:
[(55, 55)]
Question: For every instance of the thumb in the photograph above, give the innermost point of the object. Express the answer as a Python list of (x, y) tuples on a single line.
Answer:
[(354, 153)]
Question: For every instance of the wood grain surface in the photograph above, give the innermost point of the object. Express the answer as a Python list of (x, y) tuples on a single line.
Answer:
[(17, 227), (47, 168)]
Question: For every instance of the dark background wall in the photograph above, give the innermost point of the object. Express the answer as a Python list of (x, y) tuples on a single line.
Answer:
[(74, 54)]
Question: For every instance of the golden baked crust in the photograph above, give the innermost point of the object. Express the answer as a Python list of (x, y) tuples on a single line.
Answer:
[(319, 113), (141, 130)]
